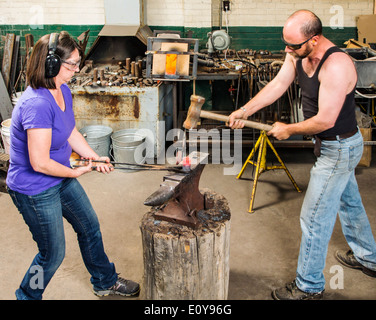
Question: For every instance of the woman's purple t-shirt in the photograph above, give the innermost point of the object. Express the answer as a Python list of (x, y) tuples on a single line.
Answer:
[(38, 109)]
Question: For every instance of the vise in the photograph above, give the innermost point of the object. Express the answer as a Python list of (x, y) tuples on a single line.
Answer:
[(178, 198)]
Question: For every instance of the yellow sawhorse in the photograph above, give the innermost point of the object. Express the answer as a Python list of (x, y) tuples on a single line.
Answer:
[(262, 143)]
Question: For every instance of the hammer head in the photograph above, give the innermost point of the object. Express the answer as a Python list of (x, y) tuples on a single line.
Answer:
[(193, 112)]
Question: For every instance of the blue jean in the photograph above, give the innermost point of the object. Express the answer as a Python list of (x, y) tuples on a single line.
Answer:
[(43, 213), (333, 189)]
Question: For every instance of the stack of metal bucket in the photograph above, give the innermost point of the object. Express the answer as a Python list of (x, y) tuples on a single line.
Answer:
[(121, 146)]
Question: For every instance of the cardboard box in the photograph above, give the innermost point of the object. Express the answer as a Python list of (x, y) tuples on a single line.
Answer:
[(366, 28), (354, 44)]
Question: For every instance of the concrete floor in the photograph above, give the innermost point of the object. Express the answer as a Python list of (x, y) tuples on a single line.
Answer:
[(264, 245)]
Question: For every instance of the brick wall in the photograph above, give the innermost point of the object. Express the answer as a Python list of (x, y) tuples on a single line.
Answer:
[(41, 17), (257, 24), (252, 24), (264, 13), (188, 13), (51, 12), (275, 12)]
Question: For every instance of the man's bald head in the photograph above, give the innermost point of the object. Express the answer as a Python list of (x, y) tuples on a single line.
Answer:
[(306, 22)]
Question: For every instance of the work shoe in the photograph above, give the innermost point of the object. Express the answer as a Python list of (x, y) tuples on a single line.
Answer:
[(348, 260), (121, 287), (292, 292)]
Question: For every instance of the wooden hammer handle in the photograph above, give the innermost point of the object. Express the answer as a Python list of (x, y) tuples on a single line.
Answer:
[(248, 123)]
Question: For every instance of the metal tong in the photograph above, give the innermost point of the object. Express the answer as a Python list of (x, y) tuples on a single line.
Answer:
[(134, 166)]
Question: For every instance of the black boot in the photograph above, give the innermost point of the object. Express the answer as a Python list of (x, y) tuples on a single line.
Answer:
[(348, 260), (292, 292)]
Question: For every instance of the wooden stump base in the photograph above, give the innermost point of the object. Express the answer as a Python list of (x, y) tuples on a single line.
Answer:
[(181, 263)]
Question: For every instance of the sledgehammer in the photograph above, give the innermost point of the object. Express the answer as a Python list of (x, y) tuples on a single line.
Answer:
[(195, 112)]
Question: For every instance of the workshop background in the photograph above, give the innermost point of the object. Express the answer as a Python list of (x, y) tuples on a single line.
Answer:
[(256, 24), (264, 245), (251, 24)]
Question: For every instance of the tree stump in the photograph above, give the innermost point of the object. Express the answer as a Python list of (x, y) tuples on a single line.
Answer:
[(181, 263)]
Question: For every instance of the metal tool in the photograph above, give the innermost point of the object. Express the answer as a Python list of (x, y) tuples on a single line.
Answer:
[(178, 198), (195, 112), (181, 150), (136, 168), (132, 166)]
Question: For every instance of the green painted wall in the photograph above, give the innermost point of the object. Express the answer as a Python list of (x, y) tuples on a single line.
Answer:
[(260, 38), (269, 38), (257, 38), (39, 31)]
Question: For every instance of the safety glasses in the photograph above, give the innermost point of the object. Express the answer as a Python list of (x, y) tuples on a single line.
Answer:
[(72, 66), (295, 46)]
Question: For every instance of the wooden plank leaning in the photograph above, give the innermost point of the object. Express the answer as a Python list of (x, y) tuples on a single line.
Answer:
[(7, 58), (6, 107)]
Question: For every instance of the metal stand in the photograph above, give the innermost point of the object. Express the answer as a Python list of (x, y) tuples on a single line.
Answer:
[(262, 143)]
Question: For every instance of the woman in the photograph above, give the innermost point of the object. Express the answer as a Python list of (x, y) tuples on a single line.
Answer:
[(40, 180)]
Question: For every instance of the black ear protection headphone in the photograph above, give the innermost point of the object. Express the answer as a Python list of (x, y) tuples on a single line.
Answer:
[(53, 61)]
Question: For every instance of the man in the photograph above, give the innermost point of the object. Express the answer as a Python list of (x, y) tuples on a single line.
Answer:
[(327, 77)]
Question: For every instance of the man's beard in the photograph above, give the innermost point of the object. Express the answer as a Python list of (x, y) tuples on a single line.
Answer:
[(303, 55)]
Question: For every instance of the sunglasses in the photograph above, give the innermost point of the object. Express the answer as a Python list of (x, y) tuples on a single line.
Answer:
[(295, 46)]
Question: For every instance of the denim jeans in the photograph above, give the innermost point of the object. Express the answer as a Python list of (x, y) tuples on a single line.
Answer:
[(333, 189), (43, 213)]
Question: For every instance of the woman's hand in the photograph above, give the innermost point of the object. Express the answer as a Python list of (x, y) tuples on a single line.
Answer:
[(85, 167), (80, 146), (104, 167)]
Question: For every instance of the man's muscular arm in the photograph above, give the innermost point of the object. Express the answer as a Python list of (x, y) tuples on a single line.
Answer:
[(337, 78)]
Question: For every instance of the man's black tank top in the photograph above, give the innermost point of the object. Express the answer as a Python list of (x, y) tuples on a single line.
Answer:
[(346, 120)]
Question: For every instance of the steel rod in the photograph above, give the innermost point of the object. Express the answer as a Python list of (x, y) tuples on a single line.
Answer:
[(131, 164), (139, 168)]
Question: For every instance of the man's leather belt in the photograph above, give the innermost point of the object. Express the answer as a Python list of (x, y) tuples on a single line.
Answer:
[(341, 136), (317, 147)]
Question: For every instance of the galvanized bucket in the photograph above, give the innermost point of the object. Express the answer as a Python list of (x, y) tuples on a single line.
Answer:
[(124, 147), (99, 138), (5, 134)]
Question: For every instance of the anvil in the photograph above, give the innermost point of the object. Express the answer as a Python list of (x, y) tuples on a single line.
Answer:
[(178, 196)]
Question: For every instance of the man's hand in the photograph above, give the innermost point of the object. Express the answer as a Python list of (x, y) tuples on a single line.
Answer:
[(234, 120), (279, 131)]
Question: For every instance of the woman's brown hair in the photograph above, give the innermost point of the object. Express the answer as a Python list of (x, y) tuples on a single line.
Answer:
[(35, 72)]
